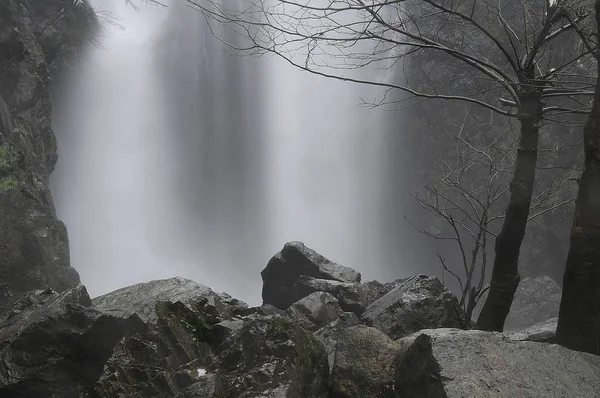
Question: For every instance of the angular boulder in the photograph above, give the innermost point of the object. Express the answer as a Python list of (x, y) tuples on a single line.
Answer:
[(489, 365), (315, 310), (142, 298), (215, 346), (373, 290), (281, 274), (420, 302), (348, 294), (55, 345), (370, 364)]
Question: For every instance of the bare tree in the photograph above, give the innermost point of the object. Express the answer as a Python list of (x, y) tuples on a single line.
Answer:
[(468, 195), (579, 316), (527, 60)]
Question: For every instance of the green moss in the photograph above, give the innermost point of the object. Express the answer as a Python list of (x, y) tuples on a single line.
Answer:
[(8, 169)]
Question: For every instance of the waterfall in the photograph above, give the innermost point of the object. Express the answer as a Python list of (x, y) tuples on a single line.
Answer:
[(177, 158)]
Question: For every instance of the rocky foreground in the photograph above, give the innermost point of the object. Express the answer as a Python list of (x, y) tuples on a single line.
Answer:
[(320, 333)]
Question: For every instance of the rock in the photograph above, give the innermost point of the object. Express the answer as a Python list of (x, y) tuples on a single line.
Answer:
[(240, 351), (373, 290), (55, 345), (543, 332), (483, 364), (536, 300), (34, 37), (330, 334), (142, 298), (348, 294), (420, 302), (315, 310), (295, 260), (273, 357), (370, 364)]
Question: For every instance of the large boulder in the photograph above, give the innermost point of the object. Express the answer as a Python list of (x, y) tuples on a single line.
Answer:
[(281, 275), (142, 298), (214, 346), (420, 302), (370, 364), (55, 345), (488, 365)]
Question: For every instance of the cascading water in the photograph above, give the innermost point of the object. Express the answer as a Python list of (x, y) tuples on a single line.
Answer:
[(177, 158)]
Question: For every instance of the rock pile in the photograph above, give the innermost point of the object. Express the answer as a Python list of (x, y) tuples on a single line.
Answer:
[(320, 333)]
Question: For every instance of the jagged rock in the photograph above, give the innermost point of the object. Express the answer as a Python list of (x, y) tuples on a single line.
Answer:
[(54, 345), (483, 364), (245, 351), (141, 298), (281, 274), (34, 37), (373, 290), (315, 310), (370, 364), (420, 302), (280, 357), (348, 294), (536, 300), (543, 332), (330, 334)]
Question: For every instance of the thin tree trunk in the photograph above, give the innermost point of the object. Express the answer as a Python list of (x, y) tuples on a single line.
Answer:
[(505, 272), (579, 316)]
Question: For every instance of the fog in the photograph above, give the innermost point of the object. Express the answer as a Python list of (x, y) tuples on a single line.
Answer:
[(177, 158)]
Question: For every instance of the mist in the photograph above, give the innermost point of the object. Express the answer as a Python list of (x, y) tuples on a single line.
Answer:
[(179, 158)]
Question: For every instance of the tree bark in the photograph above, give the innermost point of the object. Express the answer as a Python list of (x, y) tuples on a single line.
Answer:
[(579, 316), (505, 272)]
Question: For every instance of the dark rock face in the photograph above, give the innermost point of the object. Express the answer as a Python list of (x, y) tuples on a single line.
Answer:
[(420, 302), (370, 364), (34, 38), (55, 345), (246, 352), (280, 277)]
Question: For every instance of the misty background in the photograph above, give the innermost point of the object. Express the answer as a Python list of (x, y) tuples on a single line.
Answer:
[(179, 158)]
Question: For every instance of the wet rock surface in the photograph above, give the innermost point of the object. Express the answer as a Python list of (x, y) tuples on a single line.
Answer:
[(34, 252), (141, 298), (177, 338), (420, 302), (55, 344)]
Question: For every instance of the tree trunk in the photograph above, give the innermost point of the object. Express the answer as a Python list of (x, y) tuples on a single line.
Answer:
[(505, 273), (579, 316)]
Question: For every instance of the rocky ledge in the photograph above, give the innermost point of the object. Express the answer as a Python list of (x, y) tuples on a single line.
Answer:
[(320, 333)]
